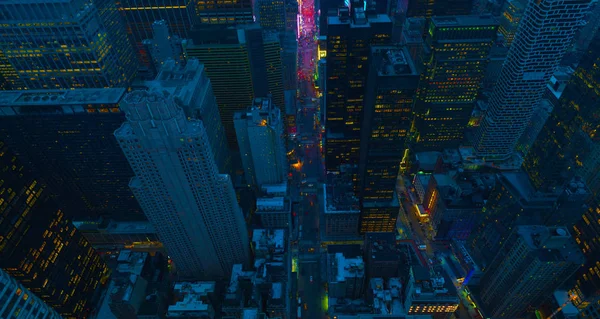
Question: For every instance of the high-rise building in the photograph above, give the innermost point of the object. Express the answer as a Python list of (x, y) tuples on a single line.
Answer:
[(259, 131), (192, 91), (533, 262), (271, 14), (455, 62), (387, 117), (41, 248), (511, 17), (568, 144), (349, 43), (587, 234), (59, 44), (224, 12), (515, 201), (192, 207), (545, 33), (241, 63), (430, 8), (162, 46), (18, 302), (66, 138), (139, 17)]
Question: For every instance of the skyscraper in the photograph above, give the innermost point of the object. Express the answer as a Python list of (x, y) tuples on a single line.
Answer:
[(224, 12), (455, 62), (545, 33), (568, 144), (192, 207), (510, 19), (349, 43), (587, 234), (139, 17), (259, 131), (40, 247), (192, 91), (241, 63), (533, 262), (58, 44), (162, 46), (18, 302), (66, 138), (271, 14), (387, 117)]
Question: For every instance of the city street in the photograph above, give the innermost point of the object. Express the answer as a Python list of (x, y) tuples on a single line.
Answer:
[(308, 172)]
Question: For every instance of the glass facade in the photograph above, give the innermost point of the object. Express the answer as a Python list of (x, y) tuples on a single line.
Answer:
[(39, 245), (232, 12), (64, 45), (66, 137), (454, 64)]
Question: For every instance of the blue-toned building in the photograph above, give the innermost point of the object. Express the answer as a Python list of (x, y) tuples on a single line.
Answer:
[(66, 137), (58, 44)]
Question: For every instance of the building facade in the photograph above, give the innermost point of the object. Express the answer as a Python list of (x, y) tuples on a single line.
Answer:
[(545, 33), (271, 14), (348, 50), (64, 45), (455, 61), (16, 300), (568, 144), (220, 12), (430, 8), (241, 63), (533, 262), (510, 19), (66, 137), (192, 207), (41, 248), (259, 133)]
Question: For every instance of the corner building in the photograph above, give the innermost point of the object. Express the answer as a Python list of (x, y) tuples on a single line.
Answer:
[(64, 44), (41, 248), (192, 207), (545, 32)]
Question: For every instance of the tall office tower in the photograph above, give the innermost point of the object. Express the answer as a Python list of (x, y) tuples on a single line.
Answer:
[(291, 16), (533, 262), (329, 8), (515, 201), (192, 207), (259, 131), (224, 12), (349, 43), (41, 248), (192, 91), (587, 234), (270, 14), (568, 144), (455, 62), (387, 117), (65, 137), (58, 44), (544, 35), (162, 46), (289, 60), (430, 8), (139, 17), (18, 302), (511, 17), (241, 64)]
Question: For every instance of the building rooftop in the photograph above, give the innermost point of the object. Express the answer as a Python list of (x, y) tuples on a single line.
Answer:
[(552, 244), (117, 227), (396, 61), (131, 262), (192, 296), (387, 296), (462, 21), (349, 267), (263, 239), (339, 196), (434, 285), (360, 19), (64, 97), (271, 204), (275, 188)]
